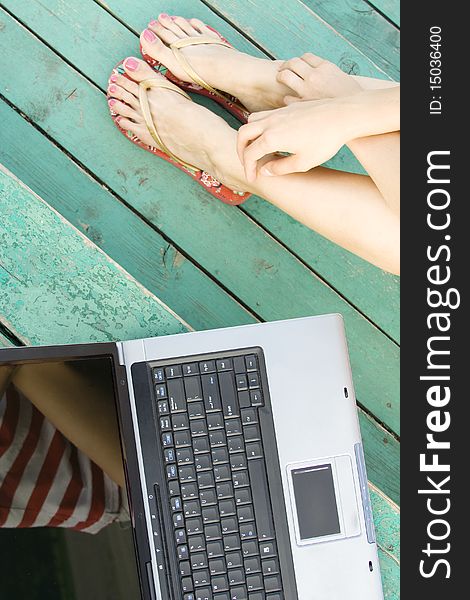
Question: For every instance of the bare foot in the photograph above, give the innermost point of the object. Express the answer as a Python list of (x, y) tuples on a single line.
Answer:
[(190, 131), (252, 80)]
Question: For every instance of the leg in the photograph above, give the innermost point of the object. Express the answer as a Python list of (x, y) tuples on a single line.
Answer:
[(346, 208)]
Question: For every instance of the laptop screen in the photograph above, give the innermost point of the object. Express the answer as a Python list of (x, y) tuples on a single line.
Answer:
[(65, 531)]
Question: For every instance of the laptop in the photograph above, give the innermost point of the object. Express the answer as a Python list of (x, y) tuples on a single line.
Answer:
[(244, 463)]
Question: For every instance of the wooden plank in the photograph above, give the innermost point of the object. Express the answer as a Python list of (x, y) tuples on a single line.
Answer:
[(264, 276), (369, 289), (4, 342), (362, 25), (389, 8), (126, 238), (91, 297)]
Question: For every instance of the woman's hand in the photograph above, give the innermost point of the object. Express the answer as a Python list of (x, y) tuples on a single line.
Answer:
[(309, 132), (313, 78)]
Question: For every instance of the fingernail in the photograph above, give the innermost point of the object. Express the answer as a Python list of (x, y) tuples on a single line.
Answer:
[(111, 102), (112, 89), (149, 36), (153, 23), (132, 64), (164, 16), (113, 78)]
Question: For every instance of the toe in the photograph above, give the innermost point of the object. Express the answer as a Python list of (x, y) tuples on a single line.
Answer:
[(127, 84), (170, 24), (185, 26), (138, 70), (123, 110), (119, 93), (154, 46), (166, 36), (203, 28)]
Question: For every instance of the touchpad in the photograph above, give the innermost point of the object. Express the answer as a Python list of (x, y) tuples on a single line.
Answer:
[(324, 500)]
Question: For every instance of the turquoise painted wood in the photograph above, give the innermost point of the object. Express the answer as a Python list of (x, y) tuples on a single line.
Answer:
[(91, 297), (368, 30), (372, 291), (389, 8), (374, 356)]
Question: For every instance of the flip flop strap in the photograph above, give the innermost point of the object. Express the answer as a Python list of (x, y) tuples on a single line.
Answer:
[(186, 65), (144, 87)]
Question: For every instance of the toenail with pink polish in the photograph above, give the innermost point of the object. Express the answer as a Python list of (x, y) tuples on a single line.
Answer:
[(113, 78), (153, 23), (111, 102), (149, 36), (164, 16), (112, 89), (132, 64)]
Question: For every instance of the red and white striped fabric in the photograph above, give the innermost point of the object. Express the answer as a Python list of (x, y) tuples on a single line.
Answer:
[(44, 480)]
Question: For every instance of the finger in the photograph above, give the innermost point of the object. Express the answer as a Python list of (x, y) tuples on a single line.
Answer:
[(246, 135), (281, 166), (291, 100), (257, 116), (298, 66), (312, 59), (253, 153), (291, 79)]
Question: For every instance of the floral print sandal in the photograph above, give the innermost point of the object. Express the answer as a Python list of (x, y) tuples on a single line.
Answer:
[(198, 85), (212, 185)]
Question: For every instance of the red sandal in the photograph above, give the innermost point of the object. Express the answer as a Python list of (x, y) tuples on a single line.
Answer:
[(198, 85), (212, 185)]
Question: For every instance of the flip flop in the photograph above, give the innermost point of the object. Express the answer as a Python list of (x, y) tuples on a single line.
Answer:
[(198, 85), (212, 185)]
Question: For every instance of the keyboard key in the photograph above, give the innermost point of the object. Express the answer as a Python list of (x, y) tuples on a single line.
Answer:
[(180, 536), (217, 438), (189, 596), (204, 594), (203, 462), (236, 576), (261, 499), (217, 566), (210, 514), (187, 584), (233, 427), (235, 444), (242, 382), (195, 410), (242, 496), (205, 480), (254, 582), (253, 380), (245, 513), (229, 525), (212, 532), (184, 456), (270, 566), (198, 427), (210, 391), (227, 508), (201, 445), (187, 474), (196, 543), (158, 375), (225, 364), (238, 593), (180, 421), (239, 364), (190, 369), (215, 421), (247, 531), (169, 455), (175, 503), (273, 584), (224, 490), (189, 491), (215, 549), (232, 542), (172, 472), (194, 526), (256, 398), (178, 520), (240, 479), (219, 456), (220, 584), (256, 596), (163, 408), (192, 508), (267, 549), (244, 399), (165, 424), (252, 433), (161, 391), (199, 560), (183, 553), (251, 362), (185, 568), (249, 416), (192, 389), (174, 488), (252, 565), (222, 473), (234, 559), (207, 366), (182, 439), (208, 497), (229, 397), (176, 396), (249, 548), (173, 371), (254, 450), (238, 461)]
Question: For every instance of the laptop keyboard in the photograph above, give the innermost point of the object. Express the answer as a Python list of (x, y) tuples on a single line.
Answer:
[(217, 483)]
